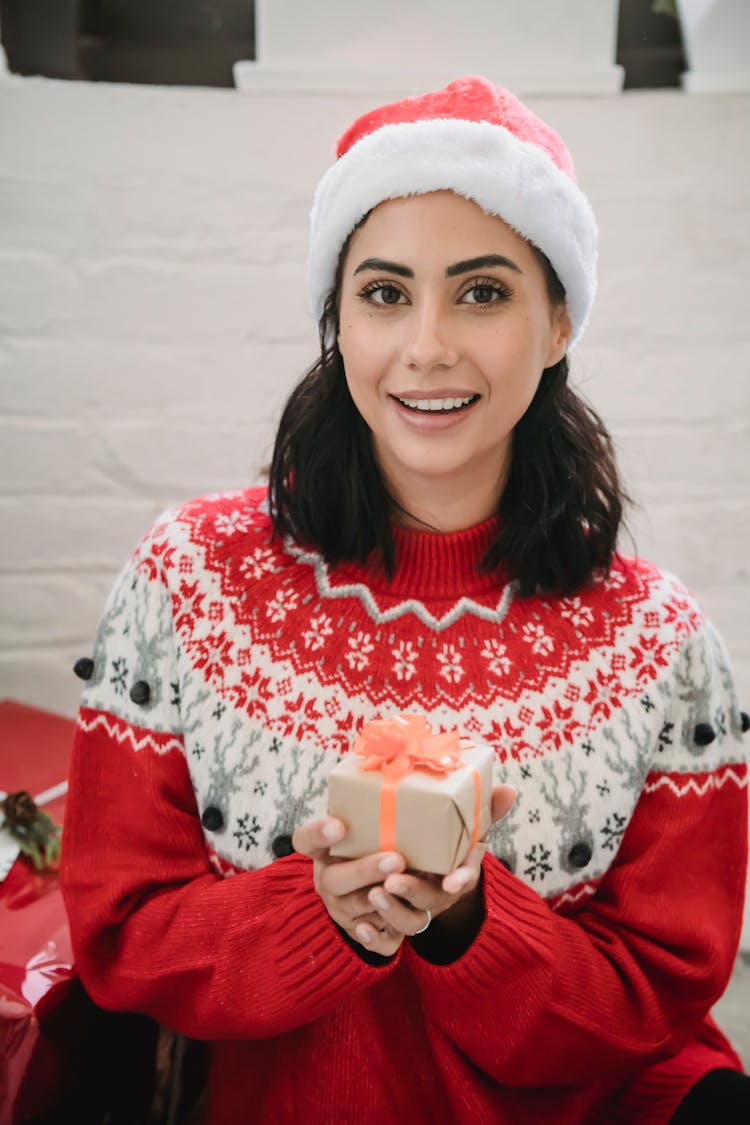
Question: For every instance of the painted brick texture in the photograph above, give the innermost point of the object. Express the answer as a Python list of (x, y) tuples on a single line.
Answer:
[(153, 316)]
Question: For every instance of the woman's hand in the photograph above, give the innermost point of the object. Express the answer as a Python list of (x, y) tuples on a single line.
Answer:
[(376, 901), (405, 899), (343, 884)]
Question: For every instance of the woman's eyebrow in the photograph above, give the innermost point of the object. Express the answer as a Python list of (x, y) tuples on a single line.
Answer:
[(481, 263), (384, 266)]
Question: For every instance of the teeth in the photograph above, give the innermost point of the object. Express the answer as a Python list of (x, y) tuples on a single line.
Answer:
[(436, 404)]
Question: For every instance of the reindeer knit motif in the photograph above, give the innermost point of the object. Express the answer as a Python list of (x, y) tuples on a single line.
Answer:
[(232, 671)]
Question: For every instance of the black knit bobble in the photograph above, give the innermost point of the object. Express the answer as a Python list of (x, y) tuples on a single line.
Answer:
[(281, 846), (580, 855), (704, 734), (744, 721), (212, 819), (84, 668), (140, 692)]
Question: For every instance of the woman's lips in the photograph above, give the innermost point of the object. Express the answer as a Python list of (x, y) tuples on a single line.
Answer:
[(436, 402), (435, 410)]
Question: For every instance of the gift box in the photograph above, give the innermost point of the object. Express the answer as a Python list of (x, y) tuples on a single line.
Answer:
[(36, 963), (61, 1057), (407, 789)]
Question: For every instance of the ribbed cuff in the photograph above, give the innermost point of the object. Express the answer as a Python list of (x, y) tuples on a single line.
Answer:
[(654, 1095), (314, 963), (518, 928)]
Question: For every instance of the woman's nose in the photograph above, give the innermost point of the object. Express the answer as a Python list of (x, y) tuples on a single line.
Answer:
[(428, 341)]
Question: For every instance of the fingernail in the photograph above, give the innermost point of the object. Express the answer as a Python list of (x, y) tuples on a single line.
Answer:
[(397, 888), (364, 934), (456, 882), (389, 863), (332, 831), (379, 900)]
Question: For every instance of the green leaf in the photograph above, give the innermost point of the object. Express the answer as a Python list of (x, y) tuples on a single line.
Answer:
[(38, 841), (32, 851)]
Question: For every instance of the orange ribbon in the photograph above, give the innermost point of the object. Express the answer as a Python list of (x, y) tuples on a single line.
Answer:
[(401, 744)]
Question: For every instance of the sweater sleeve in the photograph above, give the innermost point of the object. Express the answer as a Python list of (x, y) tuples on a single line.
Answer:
[(154, 928), (543, 999)]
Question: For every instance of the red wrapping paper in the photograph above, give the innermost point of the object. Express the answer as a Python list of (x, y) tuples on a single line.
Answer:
[(36, 963)]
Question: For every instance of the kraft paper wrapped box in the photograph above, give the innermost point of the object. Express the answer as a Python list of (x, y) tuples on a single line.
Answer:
[(403, 788)]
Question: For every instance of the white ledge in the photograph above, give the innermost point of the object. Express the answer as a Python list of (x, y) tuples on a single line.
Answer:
[(255, 77), (716, 81)]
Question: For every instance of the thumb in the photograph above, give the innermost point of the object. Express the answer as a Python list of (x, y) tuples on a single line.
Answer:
[(503, 799), (315, 838)]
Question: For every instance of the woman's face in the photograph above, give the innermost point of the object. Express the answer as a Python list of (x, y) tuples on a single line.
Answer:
[(445, 329)]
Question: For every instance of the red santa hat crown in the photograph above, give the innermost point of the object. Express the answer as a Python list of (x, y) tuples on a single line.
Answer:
[(480, 141)]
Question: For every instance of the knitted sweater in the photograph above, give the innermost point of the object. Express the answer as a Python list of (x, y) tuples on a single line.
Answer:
[(230, 673)]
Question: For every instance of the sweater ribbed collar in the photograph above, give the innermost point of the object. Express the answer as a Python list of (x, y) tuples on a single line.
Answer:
[(436, 565)]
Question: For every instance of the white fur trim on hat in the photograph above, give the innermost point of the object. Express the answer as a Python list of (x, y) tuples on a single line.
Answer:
[(513, 179)]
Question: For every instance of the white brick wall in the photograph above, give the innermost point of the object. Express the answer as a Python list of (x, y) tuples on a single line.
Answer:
[(153, 316)]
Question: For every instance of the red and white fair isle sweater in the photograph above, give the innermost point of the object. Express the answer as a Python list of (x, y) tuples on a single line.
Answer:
[(230, 673)]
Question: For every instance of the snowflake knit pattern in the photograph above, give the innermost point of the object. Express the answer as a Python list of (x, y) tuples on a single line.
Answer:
[(233, 670)]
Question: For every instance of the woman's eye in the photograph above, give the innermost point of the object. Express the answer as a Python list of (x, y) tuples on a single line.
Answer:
[(380, 293), (385, 295), (483, 294)]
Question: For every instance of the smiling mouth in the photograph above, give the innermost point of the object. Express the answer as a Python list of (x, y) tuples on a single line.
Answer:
[(437, 405)]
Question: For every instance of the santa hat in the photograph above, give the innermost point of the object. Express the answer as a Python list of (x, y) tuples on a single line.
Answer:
[(477, 140)]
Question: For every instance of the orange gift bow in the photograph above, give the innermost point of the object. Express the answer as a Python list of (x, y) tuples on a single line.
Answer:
[(401, 744)]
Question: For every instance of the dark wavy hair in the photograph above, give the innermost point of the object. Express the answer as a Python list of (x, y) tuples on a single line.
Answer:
[(560, 510)]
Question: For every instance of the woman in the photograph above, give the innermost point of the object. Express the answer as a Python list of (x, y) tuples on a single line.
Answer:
[(438, 535)]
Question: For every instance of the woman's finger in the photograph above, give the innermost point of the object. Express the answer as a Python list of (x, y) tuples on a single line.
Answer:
[(346, 876), (406, 897), (403, 918), (424, 890), (385, 941), (503, 800), (367, 917), (350, 909), (465, 877), (315, 838)]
